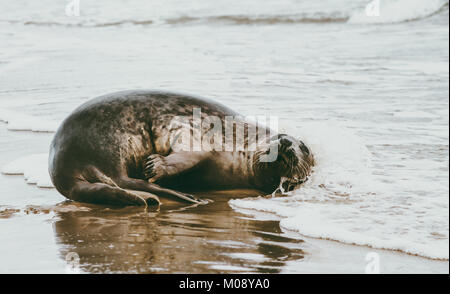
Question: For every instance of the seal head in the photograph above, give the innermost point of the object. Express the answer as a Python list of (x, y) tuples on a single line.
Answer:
[(291, 168)]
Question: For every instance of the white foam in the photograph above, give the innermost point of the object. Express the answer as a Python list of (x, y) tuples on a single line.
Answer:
[(22, 122), (392, 11), (32, 167), (345, 201), (253, 257), (232, 268), (315, 221), (342, 159)]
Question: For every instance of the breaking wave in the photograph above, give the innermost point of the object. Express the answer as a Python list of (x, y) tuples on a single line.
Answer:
[(376, 12)]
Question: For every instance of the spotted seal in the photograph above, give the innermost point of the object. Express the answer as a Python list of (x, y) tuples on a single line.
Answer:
[(118, 149)]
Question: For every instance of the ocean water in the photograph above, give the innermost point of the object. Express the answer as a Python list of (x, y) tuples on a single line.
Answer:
[(369, 94)]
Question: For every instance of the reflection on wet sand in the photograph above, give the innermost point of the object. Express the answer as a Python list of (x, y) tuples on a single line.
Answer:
[(203, 239)]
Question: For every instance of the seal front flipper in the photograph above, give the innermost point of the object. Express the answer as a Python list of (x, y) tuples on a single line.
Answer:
[(155, 168), (158, 167)]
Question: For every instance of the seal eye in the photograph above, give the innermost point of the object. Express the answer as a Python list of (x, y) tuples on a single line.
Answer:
[(285, 142), (304, 148)]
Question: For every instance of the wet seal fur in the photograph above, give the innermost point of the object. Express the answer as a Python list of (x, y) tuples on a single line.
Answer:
[(116, 149)]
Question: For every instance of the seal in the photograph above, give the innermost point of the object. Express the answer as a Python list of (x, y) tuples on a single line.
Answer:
[(124, 149)]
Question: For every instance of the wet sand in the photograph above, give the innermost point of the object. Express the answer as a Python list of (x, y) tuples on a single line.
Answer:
[(357, 89), (202, 239), (39, 230)]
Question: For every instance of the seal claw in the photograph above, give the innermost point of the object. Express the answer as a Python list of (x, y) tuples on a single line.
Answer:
[(155, 167)]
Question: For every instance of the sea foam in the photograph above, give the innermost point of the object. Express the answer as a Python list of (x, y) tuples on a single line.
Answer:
[(345, 201), (22, 122), (32, 167)]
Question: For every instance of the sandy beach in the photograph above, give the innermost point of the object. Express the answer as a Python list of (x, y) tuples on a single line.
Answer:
[(368, 95), (40, 229)]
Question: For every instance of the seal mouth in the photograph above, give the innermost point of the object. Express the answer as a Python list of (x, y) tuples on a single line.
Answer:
[(290, 184)]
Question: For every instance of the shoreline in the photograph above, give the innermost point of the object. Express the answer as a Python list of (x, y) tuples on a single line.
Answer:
[(42, 228), (272, 216), (211, 239)]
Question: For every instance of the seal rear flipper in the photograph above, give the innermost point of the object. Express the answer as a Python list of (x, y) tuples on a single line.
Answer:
[(141, 185), (100, 193)]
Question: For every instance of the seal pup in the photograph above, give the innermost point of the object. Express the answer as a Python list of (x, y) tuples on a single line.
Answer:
[(118, 149)]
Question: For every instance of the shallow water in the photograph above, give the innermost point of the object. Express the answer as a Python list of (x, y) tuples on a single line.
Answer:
[(41, 237), (369, 97)]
